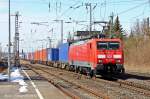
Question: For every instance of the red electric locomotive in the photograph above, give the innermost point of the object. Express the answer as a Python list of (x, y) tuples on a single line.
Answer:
[(97, 56)]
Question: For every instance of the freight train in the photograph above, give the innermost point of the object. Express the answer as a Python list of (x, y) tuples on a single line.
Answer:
[(92, 56)]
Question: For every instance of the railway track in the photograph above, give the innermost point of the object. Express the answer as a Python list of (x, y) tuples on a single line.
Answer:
[(137, 87), (134, 87), (93, 93), (57, 85), (142, 76), (140, 88)]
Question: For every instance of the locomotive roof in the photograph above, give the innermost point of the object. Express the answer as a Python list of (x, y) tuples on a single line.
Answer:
[(95, 39), (107, 39)]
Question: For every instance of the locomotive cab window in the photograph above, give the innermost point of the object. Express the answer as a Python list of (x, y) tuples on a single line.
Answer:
[(114, 45), (102, 45), (108, 45)]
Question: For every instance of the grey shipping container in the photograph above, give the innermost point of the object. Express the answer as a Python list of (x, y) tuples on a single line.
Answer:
[(52, 54), (63, 52)]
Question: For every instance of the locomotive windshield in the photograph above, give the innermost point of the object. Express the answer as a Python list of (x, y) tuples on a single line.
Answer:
[(113, 45), (108, 45), (102, 45)]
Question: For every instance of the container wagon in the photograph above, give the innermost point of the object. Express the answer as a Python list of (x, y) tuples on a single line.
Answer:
[(52, 56), (36, 56), (30, 57), (63, 55)]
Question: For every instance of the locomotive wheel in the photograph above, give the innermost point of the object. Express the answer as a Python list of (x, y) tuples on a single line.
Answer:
[(76, 69), (68, 68), (92, 73), (80, 70), (123, 71), (71, 68)]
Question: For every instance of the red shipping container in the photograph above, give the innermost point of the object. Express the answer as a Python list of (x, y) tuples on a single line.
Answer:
[(44, 55)]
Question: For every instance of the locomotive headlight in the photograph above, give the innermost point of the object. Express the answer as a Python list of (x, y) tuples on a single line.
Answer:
[(100, 61), (101, 56), (117, 56)]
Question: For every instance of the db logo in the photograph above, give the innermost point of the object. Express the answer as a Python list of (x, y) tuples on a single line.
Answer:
[(109, 56)]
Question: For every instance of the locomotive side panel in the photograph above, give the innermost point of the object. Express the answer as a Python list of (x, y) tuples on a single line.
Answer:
[(81, 54)]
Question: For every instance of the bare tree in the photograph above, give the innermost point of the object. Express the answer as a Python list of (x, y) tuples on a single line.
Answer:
[(141, 29)]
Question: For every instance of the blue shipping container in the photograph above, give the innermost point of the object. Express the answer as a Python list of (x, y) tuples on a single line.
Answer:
[(52, 54), (63, 52)]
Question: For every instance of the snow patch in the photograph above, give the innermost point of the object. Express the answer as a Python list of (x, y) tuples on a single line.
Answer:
[(23, 83), (17, 77), (23, 89), (3, 77)]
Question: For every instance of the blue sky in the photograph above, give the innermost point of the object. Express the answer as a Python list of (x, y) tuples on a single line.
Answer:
[(67, 10)]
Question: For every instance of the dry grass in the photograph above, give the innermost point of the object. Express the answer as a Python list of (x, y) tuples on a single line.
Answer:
[(137, 54), (137, 68)]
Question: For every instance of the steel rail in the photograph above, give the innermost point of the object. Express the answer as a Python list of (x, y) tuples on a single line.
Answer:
[(98, 94), (57, 86)]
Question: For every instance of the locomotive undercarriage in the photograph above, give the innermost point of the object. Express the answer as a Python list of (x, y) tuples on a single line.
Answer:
[(99, 70), (110, 69)]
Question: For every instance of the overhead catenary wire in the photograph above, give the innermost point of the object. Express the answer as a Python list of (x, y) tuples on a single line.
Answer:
[(132, 8), (45, 1), (66, 12), (141, 14), (104, 11), (105, 4), (121, 2)]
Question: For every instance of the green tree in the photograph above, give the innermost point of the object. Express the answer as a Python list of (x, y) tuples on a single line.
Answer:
[(117, 29)]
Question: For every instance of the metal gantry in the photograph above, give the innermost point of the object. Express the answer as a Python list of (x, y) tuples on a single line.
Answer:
[(16, 41)]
